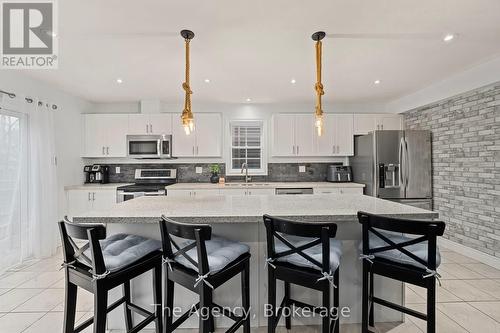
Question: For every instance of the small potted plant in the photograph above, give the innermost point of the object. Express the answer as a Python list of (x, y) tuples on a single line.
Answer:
[(214, 170)]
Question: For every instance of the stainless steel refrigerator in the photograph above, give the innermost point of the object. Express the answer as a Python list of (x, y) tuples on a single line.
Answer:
[(395, 165)]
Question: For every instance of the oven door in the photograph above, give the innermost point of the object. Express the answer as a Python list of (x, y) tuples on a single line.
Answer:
[(144, 146)]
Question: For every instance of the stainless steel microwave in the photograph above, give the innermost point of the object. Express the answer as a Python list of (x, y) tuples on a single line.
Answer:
[(149, 146)]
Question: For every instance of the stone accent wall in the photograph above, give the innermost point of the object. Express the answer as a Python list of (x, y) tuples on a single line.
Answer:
[(466, 164)]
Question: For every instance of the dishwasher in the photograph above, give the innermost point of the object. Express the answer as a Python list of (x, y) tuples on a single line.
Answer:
[(293, 191)]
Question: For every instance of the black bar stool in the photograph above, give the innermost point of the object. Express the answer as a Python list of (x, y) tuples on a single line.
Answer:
[(103, 264), (387, 252), (309, 257), (202, 263)]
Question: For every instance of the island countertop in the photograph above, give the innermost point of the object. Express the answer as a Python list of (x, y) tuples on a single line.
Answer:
[(263, 185), (249, 209)]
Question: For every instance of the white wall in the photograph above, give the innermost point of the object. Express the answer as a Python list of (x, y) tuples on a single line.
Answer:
[(67, 121), (471, 78)]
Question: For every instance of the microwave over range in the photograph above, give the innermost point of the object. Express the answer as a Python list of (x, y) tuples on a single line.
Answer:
[(149, 146)]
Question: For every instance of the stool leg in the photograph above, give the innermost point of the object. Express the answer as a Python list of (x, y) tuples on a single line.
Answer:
[(169, 305), (364, 302), (157, 298), (128, 313), (245, 295), (336, 299), (70, 306), (371, 316), (288, 319), (271, 300), (431, 305), (205, 308), (326, 305), (100, 309)]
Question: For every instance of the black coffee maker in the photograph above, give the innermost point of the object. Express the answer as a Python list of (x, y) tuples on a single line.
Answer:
[(96, 174)]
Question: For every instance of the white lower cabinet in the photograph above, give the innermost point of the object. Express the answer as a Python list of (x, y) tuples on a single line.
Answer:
[(192, 193), (336, 190), (81, 201)]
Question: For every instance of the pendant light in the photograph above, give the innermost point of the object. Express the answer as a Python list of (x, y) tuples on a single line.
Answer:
[(318, 87), (187, 114)]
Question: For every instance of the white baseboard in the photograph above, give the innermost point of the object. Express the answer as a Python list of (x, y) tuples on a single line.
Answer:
[(470, 252)]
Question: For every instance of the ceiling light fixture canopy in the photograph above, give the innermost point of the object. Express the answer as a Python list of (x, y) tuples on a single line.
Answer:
[(318, 87), (187, 114)]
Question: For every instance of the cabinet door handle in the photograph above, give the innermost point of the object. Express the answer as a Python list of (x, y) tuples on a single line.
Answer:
[(333, 149), (147, 130), (293, 150), (338, 149), (93, 196), (197, 150), (382, 126), (88, 197), (150, 128), (297, 150), (107, 150), (193, 150), (103, 150)]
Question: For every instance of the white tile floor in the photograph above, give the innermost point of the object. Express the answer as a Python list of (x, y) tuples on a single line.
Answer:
[(32, 296)]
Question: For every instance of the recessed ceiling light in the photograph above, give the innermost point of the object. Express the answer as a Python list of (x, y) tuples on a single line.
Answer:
[(207, 80), (119, 81), (448, 37), (248, 99), (376, 82), (293, 81)]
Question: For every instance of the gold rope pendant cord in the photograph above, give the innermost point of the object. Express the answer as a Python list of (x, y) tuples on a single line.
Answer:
[(185, 85), (318, 86)]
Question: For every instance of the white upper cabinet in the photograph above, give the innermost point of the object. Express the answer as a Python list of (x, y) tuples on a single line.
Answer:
[(295, 135), (389, 122), (105, 135), (364, 123), (208, 132), (283, 135), (337, 138), (205, 141), (305, 135), (143, 124)]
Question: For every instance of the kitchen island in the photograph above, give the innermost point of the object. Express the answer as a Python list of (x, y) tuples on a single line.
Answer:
[(240, 218)]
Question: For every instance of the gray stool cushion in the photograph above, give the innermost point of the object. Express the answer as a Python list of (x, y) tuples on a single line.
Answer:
[(220, 252), (121, 250), (315, 252), (419, 250)]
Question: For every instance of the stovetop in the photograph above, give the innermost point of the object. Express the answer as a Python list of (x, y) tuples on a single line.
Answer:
[(141, 187)]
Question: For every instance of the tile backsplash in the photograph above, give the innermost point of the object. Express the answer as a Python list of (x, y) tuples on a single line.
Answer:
[(186, 173)]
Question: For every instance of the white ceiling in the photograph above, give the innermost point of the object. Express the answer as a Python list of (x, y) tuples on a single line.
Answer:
[(252, 49)]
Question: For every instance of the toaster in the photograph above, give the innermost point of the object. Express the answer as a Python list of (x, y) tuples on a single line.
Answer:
[(339, 174)]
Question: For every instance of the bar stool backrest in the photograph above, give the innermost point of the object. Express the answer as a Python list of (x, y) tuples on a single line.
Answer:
[(197, 232), (320, 232), (73, 253), (427, 230)]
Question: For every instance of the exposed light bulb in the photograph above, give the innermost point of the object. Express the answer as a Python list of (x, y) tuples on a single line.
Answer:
[(191, 125), (319, 125), (187, 130)]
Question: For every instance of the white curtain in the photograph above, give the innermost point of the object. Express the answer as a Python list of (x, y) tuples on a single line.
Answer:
[(42, 180)]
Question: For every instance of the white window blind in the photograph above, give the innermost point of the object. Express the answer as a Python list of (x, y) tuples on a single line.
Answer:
[(246, 145)]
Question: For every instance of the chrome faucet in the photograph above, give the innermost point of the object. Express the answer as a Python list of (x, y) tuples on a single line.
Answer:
[(244, 167)]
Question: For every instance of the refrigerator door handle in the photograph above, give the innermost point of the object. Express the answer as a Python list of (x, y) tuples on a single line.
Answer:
[(407, 168), (401, 163)]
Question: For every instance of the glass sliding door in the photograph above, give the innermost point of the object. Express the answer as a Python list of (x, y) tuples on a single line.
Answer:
[(13, 209)]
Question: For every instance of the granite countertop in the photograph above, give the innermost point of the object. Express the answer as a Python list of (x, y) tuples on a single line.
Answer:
[(249, 209), (260, 185), (109, 186)]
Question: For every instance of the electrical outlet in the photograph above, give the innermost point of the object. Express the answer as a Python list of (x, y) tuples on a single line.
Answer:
[(302, 168), (117, 170), (199, 170)]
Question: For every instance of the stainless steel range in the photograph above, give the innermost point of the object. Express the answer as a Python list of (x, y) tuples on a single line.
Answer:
[(148, 182)]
